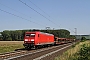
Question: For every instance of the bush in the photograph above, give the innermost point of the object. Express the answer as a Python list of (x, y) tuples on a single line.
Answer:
[(83, 39), (84, 53)]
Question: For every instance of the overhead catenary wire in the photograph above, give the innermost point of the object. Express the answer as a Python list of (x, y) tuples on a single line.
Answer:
[(45, 12), (42, 11), (15, 10), (38, 12), (18, 12), (71, 30), (26, 15), (38, 7), (20, 17)]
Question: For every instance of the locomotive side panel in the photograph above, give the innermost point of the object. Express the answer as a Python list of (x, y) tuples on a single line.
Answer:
[(43, 39)]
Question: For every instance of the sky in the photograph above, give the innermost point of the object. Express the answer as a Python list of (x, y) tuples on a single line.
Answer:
[(39, 14)]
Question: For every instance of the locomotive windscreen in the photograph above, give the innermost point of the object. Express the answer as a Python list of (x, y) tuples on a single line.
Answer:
[(30, 35)]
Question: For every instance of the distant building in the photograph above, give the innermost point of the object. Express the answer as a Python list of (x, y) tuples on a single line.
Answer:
[(80, 36)]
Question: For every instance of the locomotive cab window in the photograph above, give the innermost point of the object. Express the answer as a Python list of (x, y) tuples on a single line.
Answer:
[(27, 35), (30, 35)]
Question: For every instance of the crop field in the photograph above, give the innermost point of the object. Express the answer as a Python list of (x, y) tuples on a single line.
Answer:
[(8, 46), (80, 51)]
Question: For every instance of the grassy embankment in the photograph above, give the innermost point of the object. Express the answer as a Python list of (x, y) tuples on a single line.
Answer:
[(8, 46), (80, 51)]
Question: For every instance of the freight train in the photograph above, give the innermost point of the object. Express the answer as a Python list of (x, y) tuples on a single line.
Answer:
[(37, 39)]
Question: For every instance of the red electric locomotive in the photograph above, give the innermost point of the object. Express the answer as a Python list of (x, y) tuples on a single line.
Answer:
[(35, 39)]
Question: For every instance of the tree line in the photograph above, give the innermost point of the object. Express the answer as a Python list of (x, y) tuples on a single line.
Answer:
[(18, 35)]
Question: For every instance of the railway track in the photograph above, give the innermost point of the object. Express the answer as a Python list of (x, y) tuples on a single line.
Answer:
[(31, 54), (11, 54)]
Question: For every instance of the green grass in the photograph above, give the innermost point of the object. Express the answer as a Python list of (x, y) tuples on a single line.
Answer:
[(8, 46), (75, 53)]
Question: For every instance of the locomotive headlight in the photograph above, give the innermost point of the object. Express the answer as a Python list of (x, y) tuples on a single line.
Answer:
[(32, 39), (26, 39)]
